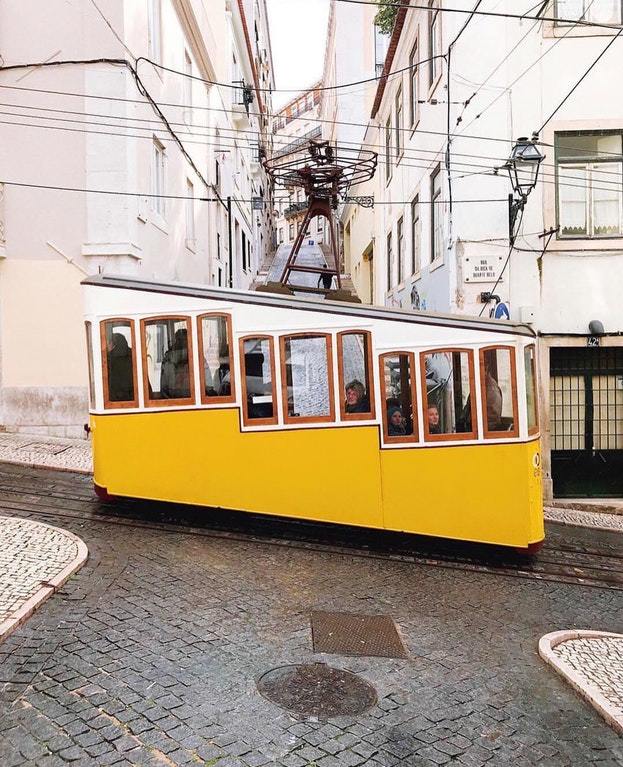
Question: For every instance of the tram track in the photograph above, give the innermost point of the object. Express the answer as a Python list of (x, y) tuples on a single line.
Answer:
[(25, 491)]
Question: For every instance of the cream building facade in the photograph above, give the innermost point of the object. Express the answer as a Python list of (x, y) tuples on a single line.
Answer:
[(176, 148), (444, 126)]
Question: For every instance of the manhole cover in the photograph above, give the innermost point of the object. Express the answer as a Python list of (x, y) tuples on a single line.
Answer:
[(317, 690), (351, 634)]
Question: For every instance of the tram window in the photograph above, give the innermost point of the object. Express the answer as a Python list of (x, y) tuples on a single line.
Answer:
[(398, 393), (167, 359), (87, 327), (118, 363), (307, 378), (355, 375), (215, 358), (258, 378), (499, 393), (531, 389), (448, 384)]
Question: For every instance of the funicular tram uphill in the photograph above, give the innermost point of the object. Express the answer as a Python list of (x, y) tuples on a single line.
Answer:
[(331, 412)]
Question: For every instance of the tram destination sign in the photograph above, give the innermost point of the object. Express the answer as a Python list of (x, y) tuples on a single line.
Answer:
[(485, 268)]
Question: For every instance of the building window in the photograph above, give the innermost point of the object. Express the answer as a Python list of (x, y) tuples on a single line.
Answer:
[(319, 222), (190, 214), (259, 405), (215, 358), (389, 261), (219, 277), (167, 361), (244, 252), (413, 86), (217, 174), (499, 392), (398, 396), (354, 350), (398, 124), (589, 181), (307, 376), (280, 235), (605, 12), (188, 87), (154, 22), (415, 236), (448, 389), (434, 41), (388, 148), (158, 167), (436, 215), (399, 249), (291, 232)]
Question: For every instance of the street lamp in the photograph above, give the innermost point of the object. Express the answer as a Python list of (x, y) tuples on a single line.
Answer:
[(523, 169)]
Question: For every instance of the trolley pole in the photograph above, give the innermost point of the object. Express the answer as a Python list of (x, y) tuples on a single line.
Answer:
[(230, 241)]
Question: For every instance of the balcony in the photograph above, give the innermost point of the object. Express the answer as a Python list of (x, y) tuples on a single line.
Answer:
[(293, 210)]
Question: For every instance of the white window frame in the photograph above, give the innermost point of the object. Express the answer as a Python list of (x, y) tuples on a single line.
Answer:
[(191, 242), (590, 165), (188, 88), (158, 178), (154, 25), (399, 120), (388, 149), (436, 219), (434, 42), (414, 83), (416, 245), (589, 13)]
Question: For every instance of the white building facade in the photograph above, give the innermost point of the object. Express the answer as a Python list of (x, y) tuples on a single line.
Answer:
[(444, 126), (143, 162)]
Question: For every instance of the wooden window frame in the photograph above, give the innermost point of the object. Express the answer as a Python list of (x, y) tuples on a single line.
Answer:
[(229, 398), (179, 402), (457, 436), (371, 414), (487, 433), (407, 438), (88, 327), (243, 379), (330, 418), (536, 429), (108, 403)]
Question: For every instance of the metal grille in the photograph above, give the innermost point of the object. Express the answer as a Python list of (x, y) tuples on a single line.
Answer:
[(586, 399), (349, 634)]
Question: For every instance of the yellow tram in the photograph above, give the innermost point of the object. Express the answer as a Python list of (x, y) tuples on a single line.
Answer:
[(327, 411)]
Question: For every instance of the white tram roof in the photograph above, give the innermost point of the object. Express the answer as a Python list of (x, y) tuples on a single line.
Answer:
[(278, 300)]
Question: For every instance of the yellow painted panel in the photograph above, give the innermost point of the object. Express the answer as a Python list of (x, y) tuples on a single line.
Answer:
[(486, 493), (476, 493), (201, 457)]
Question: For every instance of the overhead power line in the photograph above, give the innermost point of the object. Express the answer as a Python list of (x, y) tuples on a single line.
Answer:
[(491, 14)]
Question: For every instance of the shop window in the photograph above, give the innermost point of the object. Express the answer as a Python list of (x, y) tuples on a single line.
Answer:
[(167, 361), (354, 350), (118, 363), (499, 391), (531, 389), (216, 369), (448, 391), (307, 379), (87, 327), (398, 396), (258, 381)]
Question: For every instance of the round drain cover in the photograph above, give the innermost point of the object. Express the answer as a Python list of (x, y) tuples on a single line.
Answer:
[(317, 690)]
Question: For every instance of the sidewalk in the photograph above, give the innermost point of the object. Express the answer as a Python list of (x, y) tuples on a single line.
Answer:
[(35, 560)]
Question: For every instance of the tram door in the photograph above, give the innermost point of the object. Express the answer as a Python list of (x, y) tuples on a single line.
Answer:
[(586, 421)]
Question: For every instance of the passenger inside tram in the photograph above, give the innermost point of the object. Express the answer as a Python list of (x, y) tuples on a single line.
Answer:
[(398, 390), (356, 398), (120, 375), (433, 419), (174, 373), (448, 391), (396, 424)]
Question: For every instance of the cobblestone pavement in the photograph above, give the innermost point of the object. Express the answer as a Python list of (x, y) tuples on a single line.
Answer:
[(598, 661), (150, 656), (32, 557), (57, 453), (585, 518), (309, 255)]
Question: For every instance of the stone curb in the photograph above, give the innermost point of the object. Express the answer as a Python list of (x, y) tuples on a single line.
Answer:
[(53, 584), (549, 514), (31, 465), (588, 691)]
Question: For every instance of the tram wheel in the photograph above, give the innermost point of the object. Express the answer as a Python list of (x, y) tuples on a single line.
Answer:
[(103, 494), (530, 550)]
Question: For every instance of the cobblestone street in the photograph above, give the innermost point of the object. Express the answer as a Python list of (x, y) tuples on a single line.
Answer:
[(151, 653)]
